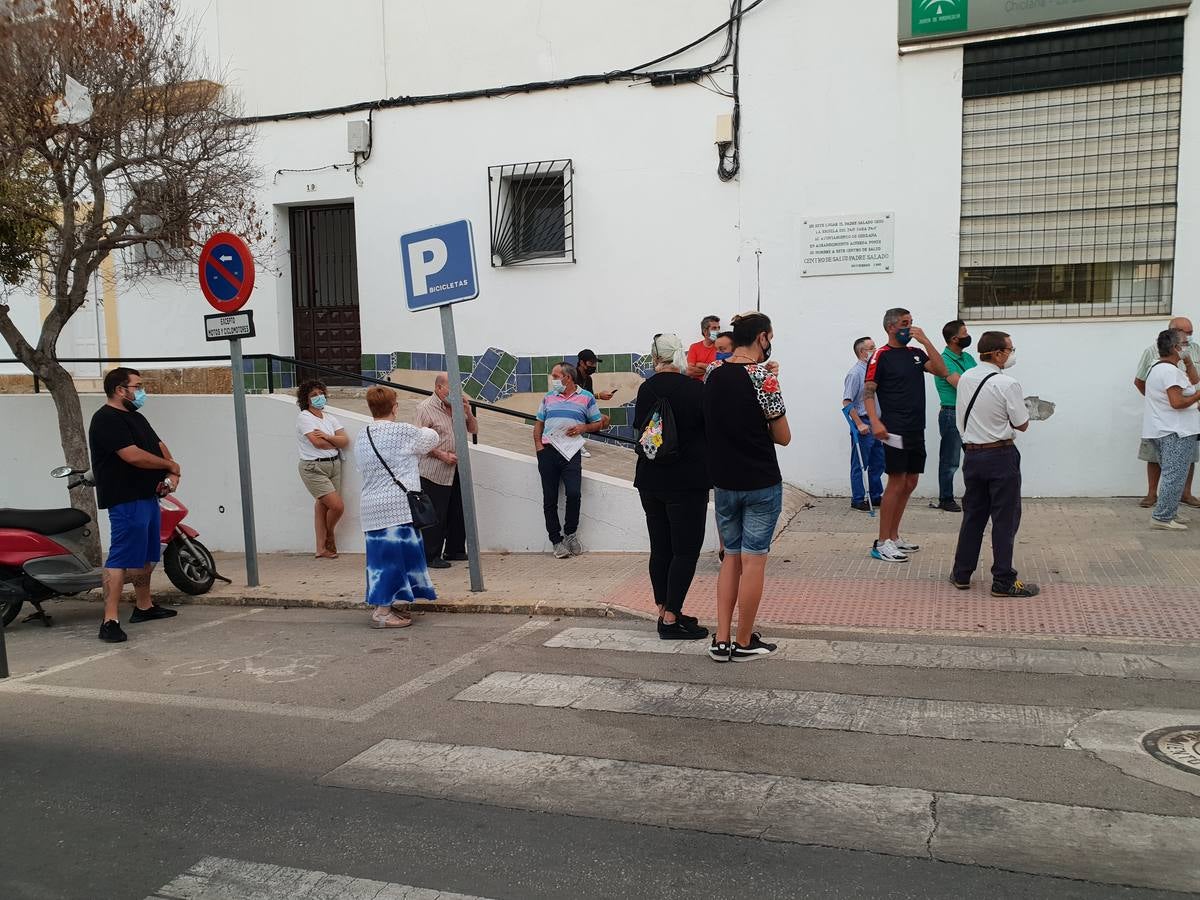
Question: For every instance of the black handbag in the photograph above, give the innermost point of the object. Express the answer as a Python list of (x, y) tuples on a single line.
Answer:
[(420, 506)]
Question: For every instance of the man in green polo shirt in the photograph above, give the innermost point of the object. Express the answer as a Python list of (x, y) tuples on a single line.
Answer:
[(958, 360)]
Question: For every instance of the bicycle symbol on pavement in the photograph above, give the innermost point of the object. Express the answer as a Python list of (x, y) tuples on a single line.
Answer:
[(269, 667)]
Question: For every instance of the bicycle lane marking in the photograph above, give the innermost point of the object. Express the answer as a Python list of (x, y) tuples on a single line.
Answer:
[(11, 683)]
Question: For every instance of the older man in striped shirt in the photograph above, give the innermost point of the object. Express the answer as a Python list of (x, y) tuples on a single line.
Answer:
[(439, 476), (567, 412)]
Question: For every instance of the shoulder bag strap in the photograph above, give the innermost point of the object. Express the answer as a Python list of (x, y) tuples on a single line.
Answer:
[(975, 396), (383, 462)]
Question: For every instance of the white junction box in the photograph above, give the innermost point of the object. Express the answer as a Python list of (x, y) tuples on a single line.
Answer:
[(358, 136), (724, 133)]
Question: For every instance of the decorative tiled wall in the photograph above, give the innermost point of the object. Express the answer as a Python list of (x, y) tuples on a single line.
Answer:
[(497, 374), (255, 376)]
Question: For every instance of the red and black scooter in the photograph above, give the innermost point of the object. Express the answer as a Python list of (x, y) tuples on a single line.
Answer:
[(41, 553)]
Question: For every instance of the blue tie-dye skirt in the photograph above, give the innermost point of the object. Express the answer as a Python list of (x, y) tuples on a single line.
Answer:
[(396, 571)]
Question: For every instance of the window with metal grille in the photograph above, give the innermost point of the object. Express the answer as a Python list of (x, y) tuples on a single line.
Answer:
[(164, 215), (1069, 172), (531, 213)]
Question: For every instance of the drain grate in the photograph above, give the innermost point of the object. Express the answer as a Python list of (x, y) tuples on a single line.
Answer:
[(1177, 746)]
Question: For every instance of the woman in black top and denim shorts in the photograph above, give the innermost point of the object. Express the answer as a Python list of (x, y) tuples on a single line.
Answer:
[(674, 492)]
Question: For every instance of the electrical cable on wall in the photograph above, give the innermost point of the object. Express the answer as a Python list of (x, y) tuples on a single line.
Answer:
[(730, 161)]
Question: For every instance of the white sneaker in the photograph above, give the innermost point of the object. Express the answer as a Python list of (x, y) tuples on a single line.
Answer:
[(585, 453), (904, 546), (574, 545), (887, 552), (561, 551), (1168, 526)]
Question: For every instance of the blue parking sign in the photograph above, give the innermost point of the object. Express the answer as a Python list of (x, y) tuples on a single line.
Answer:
[(439, 265)]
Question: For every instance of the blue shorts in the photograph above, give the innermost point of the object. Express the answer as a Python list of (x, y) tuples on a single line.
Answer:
[(134, 541), (747, 519)]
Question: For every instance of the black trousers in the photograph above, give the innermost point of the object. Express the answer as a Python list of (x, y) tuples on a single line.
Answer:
[(676, 521), (569, 473), (435, 535), (456, 523), (993, 491)]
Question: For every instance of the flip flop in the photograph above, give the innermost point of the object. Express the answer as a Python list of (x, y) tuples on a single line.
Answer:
[(392, 621)]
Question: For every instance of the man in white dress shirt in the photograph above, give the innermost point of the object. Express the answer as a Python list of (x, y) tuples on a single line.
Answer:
[(990, 411)]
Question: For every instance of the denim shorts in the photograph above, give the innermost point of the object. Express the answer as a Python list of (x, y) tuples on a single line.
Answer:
[(746, 519), (134, 539)]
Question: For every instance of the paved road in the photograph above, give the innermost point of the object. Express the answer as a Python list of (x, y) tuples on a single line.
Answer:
[(239, 753)]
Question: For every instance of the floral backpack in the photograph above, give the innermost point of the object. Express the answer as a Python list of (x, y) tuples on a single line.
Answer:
[(659, 440)]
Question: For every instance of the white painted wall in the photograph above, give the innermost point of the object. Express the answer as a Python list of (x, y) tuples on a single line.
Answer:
[(835, 122), (199, 431)]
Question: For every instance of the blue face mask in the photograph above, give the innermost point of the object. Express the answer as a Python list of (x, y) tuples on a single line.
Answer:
[(138, 401), (904, 335), (723, 356), (317, 402)]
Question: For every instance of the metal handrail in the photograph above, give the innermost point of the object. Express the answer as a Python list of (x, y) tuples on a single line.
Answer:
[(273, 358)]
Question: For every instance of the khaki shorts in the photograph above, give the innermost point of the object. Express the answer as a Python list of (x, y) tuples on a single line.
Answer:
[(1148, 451), (321, 476)]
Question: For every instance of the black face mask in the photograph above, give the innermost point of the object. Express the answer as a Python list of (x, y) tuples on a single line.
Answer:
[(766, 351), (964, 343)]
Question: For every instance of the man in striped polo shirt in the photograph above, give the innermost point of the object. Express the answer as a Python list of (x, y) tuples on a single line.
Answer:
[(566, 412)]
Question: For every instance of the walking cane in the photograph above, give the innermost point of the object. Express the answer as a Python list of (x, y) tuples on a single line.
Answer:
[(861, 464)]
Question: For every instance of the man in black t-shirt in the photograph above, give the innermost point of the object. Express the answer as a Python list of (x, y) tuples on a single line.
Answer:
[(896, 377), (745, 418), (129, 463)]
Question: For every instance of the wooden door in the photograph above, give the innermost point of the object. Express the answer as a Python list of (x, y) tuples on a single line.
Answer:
[(325, 289)]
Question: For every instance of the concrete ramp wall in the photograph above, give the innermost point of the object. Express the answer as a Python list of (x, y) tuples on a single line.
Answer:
[(199, 431)]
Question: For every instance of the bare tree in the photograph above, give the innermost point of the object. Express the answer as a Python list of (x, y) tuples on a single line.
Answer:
[(108, 109)]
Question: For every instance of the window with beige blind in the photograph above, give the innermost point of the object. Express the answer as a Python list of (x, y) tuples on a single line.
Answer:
[(1069, 173)]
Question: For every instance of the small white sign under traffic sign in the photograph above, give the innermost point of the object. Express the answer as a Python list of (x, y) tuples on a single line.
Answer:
[(225, 327)]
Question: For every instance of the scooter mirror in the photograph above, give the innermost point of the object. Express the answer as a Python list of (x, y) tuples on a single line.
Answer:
[(61, 472)]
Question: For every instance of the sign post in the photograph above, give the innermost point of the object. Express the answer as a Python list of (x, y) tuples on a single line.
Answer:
[(227, 278), (439, 271)]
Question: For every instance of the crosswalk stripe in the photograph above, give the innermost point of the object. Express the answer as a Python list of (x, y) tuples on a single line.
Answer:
[(1042, 726), (1043, 838), (1026, 660), (216, 878)]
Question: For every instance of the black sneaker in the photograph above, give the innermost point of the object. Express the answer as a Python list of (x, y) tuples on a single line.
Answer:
[(950, 505), (756, 649), (111, 632), (1017, 589), (154, 612), (961, 585), (719, 651), (437, 563), (861, 506), (455, 557), (681, 630)]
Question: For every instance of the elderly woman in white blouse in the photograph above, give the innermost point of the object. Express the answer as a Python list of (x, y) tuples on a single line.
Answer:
[(396, 571)]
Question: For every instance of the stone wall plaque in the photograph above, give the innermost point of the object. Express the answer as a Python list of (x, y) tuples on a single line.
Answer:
[(847, 245)]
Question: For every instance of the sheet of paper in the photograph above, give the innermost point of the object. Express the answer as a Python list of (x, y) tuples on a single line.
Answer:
[(567, 446), (894, 440)]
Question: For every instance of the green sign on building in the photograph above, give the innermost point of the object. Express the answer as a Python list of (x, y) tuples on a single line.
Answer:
[(938, 16), (927, 21)]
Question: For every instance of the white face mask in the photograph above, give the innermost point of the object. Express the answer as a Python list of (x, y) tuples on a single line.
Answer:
[(1011, 361), (712, 335), (556, 385)]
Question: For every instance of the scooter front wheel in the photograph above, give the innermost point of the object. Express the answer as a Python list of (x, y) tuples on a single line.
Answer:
[(191, 572), (9, 610)]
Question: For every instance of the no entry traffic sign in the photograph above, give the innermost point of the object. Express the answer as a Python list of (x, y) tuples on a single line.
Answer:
[(226, 272)]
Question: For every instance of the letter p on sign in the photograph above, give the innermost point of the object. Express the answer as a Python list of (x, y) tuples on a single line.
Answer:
[(439, 265), (426, 258)]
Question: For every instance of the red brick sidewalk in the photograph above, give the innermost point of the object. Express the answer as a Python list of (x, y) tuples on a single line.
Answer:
[(1061, 609)]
